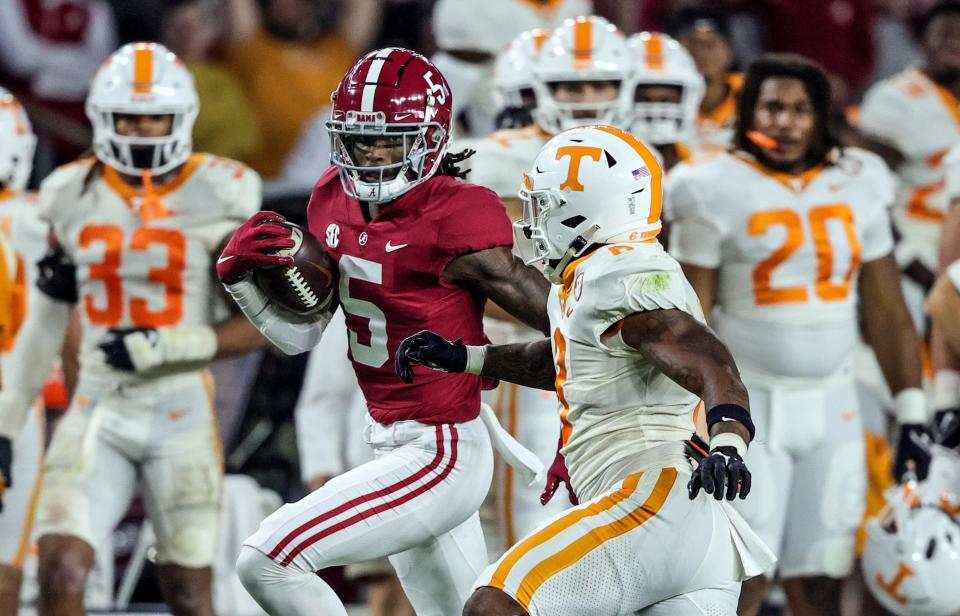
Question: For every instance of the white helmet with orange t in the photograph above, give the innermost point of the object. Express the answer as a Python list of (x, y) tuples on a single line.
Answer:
[(513, 75), (588, 185), (583, 51), (911, 559), (17, 143), (143, 79), (667, 89)]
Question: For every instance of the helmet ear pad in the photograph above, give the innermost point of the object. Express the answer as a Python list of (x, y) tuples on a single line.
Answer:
[(391, 92)]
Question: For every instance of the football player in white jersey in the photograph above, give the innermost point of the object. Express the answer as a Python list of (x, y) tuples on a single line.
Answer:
[(629, 357), (912, 119), (561, 90), (470, 37), (25, 237), (667, 90), (133, 232), (781, 238)]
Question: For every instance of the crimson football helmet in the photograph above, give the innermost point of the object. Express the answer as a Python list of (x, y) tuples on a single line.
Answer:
[(395, 99)]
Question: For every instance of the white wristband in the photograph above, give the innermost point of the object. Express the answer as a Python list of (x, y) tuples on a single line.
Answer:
[(910, 406), (475, 357), (946, 390), (729, 439)]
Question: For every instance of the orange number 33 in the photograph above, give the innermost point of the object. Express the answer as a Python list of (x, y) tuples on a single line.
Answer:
[(818, 217), (107, 272)]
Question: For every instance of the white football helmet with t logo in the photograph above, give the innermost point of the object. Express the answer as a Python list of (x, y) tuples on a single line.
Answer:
[(513, 70), (17, 143), (911, 560), (589, 185), (659, 60), (143, 79), (585, 49)]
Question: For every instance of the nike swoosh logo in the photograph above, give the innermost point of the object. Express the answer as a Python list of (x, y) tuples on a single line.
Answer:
[(224, 259), (401, 116), (391, 248)]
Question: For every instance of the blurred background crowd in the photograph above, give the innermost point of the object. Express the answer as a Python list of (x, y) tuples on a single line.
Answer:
[(264, 70)]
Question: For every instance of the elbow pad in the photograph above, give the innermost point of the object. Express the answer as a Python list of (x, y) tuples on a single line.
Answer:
[(288, 332), (57, 277)]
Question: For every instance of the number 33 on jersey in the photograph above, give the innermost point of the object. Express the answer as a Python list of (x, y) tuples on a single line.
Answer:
[(146, 261)]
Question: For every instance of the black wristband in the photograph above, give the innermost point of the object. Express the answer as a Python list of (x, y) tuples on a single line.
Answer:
[(730, 412)]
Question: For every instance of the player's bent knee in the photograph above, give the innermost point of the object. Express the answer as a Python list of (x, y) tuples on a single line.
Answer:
[(256, 570), (489, 601)]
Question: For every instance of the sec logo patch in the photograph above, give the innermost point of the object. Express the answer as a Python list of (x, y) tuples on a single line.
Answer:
[(333, 235)]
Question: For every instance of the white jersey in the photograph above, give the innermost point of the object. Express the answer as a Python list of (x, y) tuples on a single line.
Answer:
[(145, 261), (615, 404), (922, 120), (788, 250), (502, 158)]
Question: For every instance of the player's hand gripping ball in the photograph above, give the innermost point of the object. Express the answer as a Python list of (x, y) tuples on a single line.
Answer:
[(306, 286), (288, 263)]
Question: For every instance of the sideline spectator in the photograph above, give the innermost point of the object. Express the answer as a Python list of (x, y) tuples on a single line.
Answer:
[(226, 125), (290, 55)]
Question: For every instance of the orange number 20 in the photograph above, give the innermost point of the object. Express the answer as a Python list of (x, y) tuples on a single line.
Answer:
[(818, 217), (107, 272)]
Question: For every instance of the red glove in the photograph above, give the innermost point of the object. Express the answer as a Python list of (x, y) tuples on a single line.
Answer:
[(558, 473), (254, 245)]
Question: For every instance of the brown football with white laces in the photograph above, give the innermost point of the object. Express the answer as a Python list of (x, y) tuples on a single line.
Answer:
[(306, 286)]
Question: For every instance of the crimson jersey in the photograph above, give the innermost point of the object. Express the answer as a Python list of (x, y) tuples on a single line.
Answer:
[(391, 286)]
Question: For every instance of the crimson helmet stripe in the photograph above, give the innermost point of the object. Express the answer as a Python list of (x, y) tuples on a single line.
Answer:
[(370, 85)]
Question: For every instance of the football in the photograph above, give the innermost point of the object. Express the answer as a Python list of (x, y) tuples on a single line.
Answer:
[(306, 286)]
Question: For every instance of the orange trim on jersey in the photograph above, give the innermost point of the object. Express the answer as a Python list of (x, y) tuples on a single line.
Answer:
[(568, 276), (143, 69), (539, 38), (786, 179), (588, 542), (506, 136), (582, 42), (129, 193), (654, 52), (566, 428), (542, 6), (725, 111), (25, 536), (926, 360), (656, 172), (950, 102), (6, 193)]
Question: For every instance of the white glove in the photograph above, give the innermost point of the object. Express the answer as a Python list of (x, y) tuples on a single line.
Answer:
[(174, 349)]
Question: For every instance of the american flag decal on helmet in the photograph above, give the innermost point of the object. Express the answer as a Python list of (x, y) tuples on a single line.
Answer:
[(640, 173)]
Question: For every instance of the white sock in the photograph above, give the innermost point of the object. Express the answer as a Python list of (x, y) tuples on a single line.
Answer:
[(285, 591)]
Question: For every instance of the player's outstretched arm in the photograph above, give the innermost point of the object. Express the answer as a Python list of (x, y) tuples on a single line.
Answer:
[(529, 364), (498, 275), (689, 353)]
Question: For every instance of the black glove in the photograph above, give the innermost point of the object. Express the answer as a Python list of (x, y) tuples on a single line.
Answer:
[(913, 452), (118, 356), (430, 350), (6, 462), (57, 276), (946, 428), (722, 468)]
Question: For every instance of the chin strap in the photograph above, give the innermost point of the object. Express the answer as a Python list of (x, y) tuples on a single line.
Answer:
[(575, 249)]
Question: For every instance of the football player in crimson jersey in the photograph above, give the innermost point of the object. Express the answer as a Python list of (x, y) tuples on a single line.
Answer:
[(416, 249)]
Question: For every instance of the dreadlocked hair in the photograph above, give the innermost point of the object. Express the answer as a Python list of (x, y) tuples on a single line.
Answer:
[(95, 171), (450, 163), (815, 83)]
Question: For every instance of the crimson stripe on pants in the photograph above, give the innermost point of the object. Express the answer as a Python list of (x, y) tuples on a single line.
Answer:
[(306, 543), (323, 517)]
